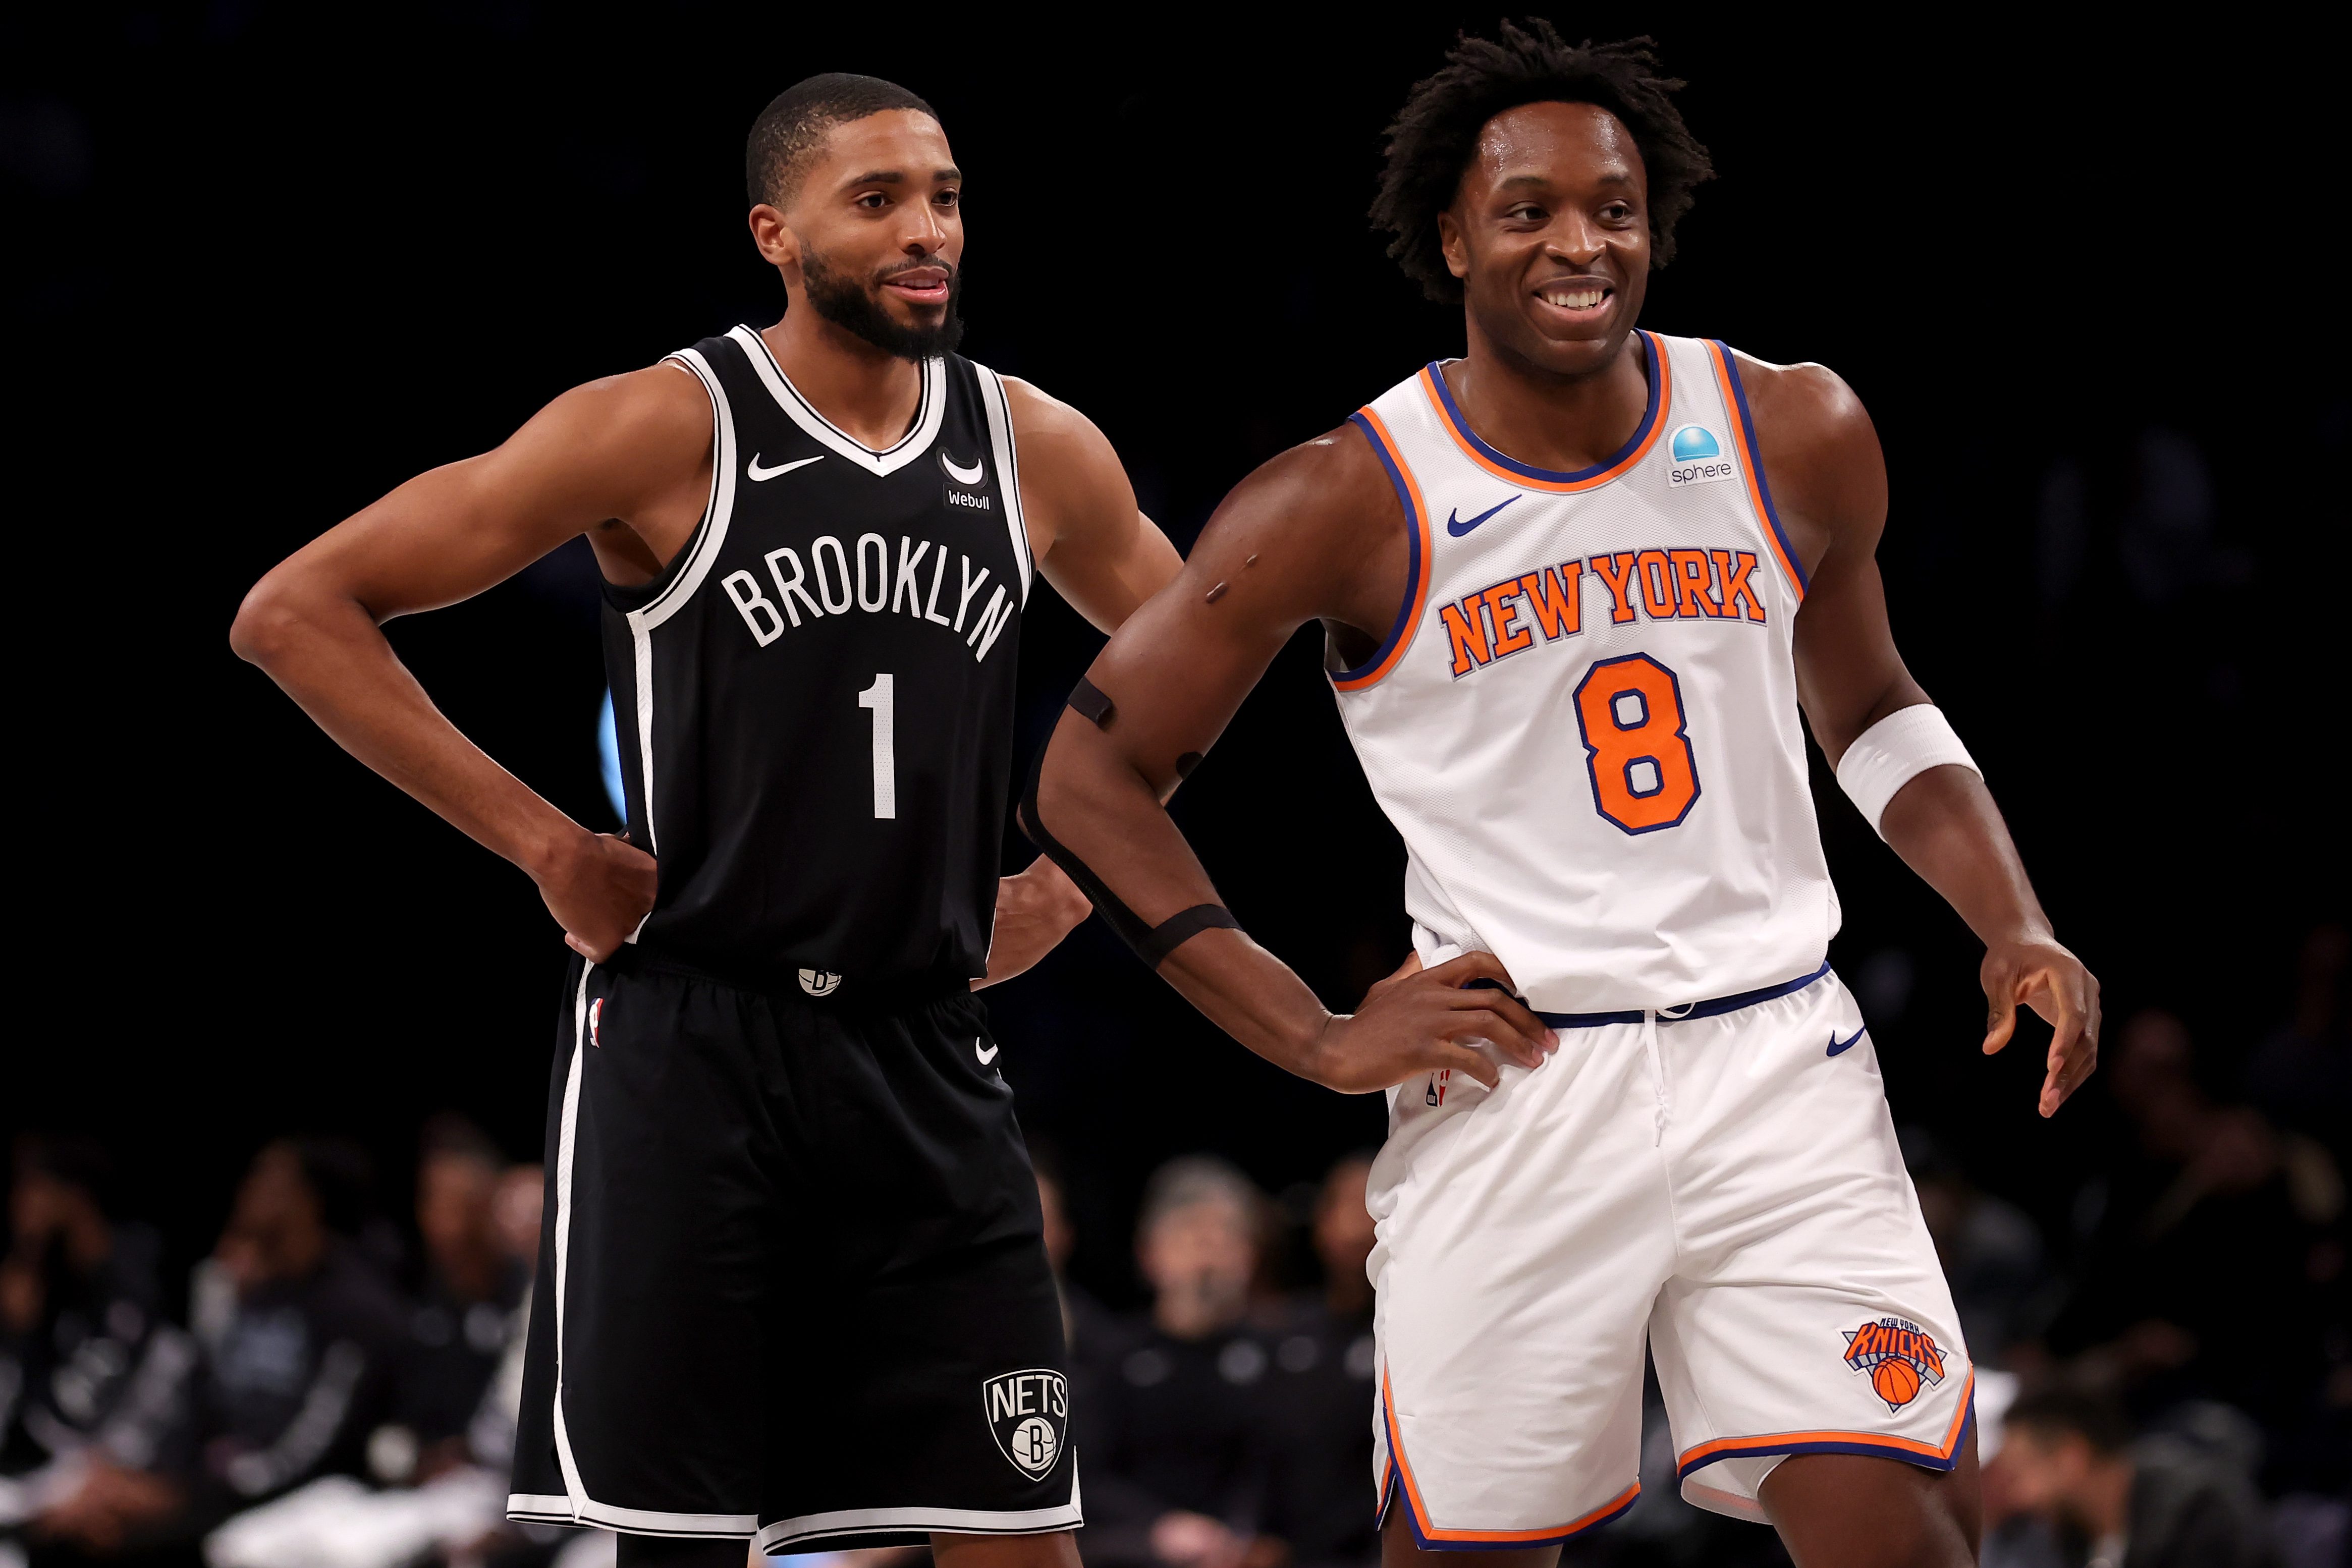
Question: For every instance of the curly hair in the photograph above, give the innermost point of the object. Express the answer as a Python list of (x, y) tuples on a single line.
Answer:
[(1435, 136)]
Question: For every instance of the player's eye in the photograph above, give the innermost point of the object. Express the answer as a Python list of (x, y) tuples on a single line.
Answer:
[(1616, 212), (873, 200), (947, 198), (1525, 212)]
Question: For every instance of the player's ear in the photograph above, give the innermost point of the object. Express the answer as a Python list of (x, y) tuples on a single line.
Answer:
[(774, 237), (1451, 243)]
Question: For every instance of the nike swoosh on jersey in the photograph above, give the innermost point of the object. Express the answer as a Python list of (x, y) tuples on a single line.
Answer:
[(957, 472), (758, 473), (1839, 1047), (985, 1056), (1457, 528)]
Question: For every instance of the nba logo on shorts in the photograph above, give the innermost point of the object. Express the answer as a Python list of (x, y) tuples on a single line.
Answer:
[(1897, 1355), (1029, 1416)]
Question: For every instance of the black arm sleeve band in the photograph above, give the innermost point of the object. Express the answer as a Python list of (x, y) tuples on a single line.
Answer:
[(1151, 943)]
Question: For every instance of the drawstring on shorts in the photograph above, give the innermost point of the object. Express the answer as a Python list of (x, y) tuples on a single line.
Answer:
[(1651, 1019)]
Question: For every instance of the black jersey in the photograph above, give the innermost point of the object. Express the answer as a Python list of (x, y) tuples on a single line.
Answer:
[(814, 700)]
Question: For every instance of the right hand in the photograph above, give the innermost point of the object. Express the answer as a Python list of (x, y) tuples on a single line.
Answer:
[(599, 889), (1413, 1021)]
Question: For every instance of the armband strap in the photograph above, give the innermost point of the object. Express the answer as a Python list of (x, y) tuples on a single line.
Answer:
[(1091, 703), (1181, 926), (1151, 943), (1895, 750)]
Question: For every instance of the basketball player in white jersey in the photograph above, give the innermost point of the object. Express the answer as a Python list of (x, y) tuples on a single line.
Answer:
[(1578, 586)]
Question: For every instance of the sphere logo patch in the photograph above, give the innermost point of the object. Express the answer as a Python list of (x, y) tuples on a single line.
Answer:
[(1899, 1357), (1029, 1416)]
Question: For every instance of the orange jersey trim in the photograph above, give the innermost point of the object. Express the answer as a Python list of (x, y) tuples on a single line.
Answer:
[(1526, 477), (1428, 1533), (1940, 1455), (1416, 600), (1735, 403)]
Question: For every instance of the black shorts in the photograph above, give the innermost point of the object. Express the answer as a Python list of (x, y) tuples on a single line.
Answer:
[(793, 1277)]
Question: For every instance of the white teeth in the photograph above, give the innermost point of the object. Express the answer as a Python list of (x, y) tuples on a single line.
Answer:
[(1573, 299)]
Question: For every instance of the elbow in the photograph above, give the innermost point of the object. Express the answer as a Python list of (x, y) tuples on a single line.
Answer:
[(267, 623)]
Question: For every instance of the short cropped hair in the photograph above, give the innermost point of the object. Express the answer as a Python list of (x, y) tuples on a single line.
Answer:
[(1434, 137), (794, 127), (1190, 1179)]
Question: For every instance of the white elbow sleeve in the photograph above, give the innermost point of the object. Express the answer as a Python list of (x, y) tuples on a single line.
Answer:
[(1895, 750)]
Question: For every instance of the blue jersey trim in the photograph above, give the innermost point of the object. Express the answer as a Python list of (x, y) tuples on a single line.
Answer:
[(1713, 1007), (1650, 414), (1413, 524), (1747, 444)]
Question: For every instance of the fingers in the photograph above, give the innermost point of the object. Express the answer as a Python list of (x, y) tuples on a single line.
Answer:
[(1463, 1059), (1412, 966), (1514, 1013), (1490, 1024), (1469, 966), (2000, 1018), (2072, 1010)]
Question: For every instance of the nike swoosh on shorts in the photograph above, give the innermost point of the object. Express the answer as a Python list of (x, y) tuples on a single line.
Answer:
[(1839, 1047), (1457, 528)]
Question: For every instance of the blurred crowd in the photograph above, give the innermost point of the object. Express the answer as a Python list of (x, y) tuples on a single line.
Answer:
[(2166, 1376)]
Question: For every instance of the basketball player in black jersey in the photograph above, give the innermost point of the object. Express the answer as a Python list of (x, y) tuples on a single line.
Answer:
[(792, 1285)]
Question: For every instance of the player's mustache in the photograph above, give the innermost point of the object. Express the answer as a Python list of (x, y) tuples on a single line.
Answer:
[(918, 264)]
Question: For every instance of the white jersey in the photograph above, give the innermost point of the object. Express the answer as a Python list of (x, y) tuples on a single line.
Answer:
[(1584, 722)]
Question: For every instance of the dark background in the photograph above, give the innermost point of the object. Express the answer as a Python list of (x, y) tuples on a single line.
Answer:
[(264, 265)]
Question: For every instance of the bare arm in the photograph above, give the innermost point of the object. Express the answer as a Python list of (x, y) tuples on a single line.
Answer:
[(1828, 481), (1104, 556), (1315, 534), (634, 448)]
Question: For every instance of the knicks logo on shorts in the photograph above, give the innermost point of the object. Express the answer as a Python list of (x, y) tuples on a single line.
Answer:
[(1899, 1356), (1029, 1416)]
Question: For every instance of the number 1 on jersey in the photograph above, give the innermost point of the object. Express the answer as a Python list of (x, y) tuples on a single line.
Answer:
[(877, 697)]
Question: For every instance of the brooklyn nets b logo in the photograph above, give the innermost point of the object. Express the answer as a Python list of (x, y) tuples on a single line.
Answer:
[(1029, 1415)]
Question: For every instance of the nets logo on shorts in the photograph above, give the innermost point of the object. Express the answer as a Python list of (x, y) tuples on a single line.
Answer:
[(1897, 1355), (1029, 1416)]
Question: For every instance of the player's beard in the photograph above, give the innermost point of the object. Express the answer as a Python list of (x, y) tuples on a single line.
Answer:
[(851, 305)]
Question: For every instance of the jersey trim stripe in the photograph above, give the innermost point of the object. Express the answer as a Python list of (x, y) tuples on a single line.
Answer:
[(1008, 469), (1759, 491), (929, 412), (1416, 536), (700, 551), (1511, 470), (1430, 1538), (1926, 1456)]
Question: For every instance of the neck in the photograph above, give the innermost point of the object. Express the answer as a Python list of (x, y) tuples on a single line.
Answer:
[(1548, 418), (869, 395)]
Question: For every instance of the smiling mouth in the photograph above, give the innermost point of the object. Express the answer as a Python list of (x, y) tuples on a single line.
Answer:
[(1575, 294), (921, 285)]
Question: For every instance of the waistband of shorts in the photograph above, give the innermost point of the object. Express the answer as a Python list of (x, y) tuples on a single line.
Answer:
[(1712, 1008), (868, 993)]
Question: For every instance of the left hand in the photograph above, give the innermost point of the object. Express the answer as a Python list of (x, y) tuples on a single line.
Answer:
[(1034, 910), (2044, 976)]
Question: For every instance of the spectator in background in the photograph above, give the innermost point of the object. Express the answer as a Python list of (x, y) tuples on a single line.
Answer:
[(464, 1314), (86, 1364), (2194, 1282), (1180, 1434), (297, 1336), (1084, 1322), (1991, 1251), (1321, 1495), (2069, 1458)]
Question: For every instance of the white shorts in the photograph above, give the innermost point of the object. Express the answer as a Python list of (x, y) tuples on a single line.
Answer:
[(1727, 1186)]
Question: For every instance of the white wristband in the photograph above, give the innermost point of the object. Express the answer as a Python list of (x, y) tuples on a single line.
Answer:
[(1895, 750)]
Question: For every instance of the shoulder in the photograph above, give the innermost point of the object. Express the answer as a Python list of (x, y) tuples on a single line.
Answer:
[(1335, 477), (1820, 448), (1802, 407), (1053, 434)]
